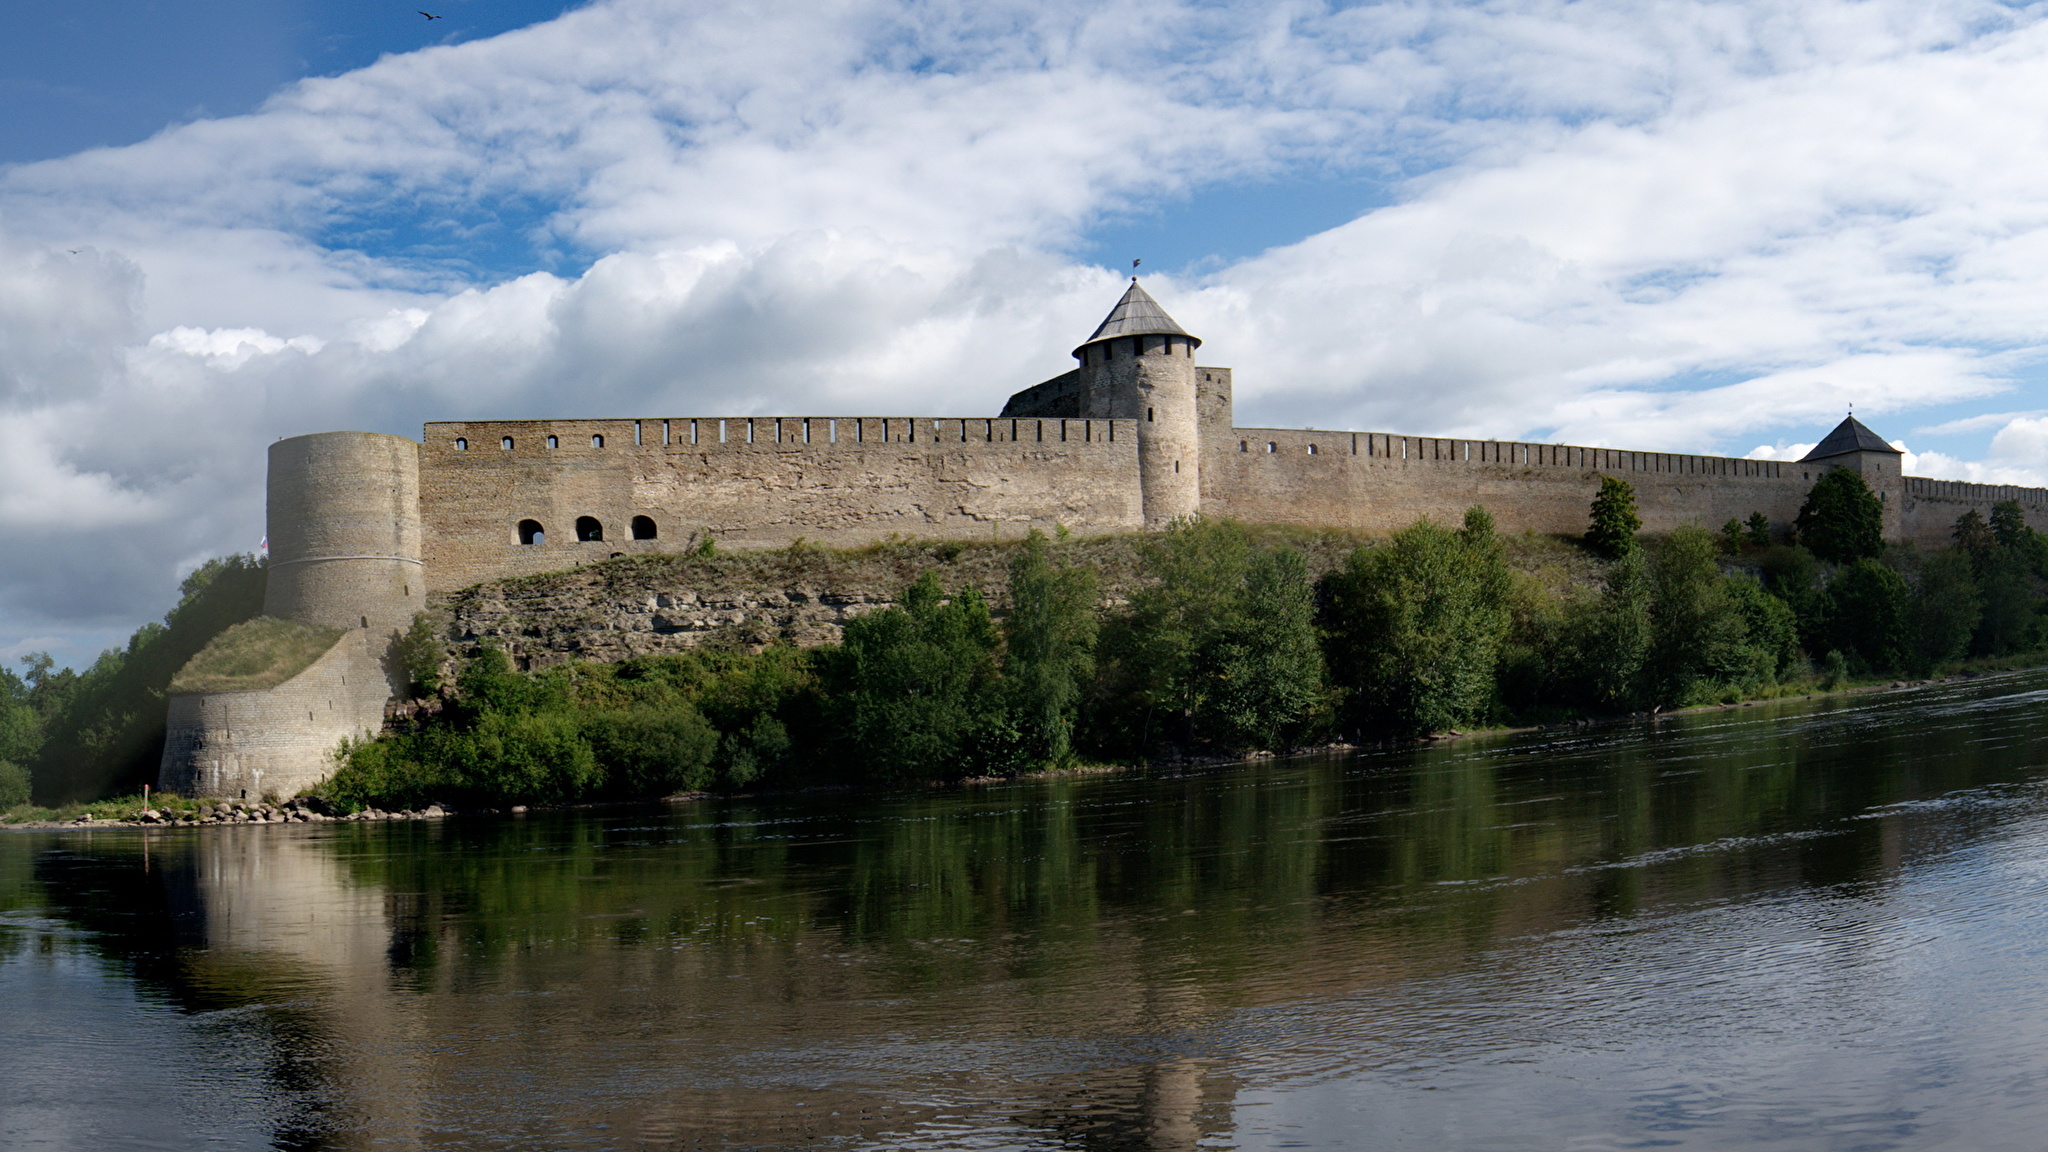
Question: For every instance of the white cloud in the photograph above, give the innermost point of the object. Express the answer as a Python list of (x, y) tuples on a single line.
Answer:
[(1673, 224)]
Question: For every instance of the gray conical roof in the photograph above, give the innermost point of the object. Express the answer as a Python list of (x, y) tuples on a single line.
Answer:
[(1849, 436), (1137, 314)]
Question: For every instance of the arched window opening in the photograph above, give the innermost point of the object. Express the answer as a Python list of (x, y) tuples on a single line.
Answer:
[(505, 443), (530, 532), (1311, 449), (597, 441), (1272, 446), (461, 445), (588, 529), (1244, 445), (643, 528), (553, 442)]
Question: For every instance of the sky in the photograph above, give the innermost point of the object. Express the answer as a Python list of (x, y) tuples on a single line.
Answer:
[(1664, 224)]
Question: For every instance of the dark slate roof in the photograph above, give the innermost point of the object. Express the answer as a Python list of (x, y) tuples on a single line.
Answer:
[(1137, 314), (1849, 436)]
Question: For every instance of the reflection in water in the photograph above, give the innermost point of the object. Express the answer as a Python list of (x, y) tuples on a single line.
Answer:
[(1768, 925)]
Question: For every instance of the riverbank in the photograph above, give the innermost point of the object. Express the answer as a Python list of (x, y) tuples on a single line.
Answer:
[(158, 810)]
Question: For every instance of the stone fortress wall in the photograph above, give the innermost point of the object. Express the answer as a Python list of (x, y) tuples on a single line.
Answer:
[(364, 527)]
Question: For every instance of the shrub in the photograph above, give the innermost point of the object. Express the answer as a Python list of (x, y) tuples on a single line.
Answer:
[(651, 750), (13, 785), (417, 653), (1700, 637), (1867, 614), (1049, 649), (1614, 522), (911, 688), (1221, 650), (1841, 520), (255, 654), (1415, 630)]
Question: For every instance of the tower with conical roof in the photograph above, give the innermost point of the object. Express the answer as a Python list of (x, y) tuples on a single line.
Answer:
[(1855, 447), (1140, 365)]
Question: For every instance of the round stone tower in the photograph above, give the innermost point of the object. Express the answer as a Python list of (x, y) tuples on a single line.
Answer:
[(1140, 365), (344, 525)]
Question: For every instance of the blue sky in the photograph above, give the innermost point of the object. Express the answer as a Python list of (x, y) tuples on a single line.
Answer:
[(1692, 225)]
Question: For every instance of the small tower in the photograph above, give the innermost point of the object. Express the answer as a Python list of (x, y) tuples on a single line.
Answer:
[(1140, 365), (1857, 448)]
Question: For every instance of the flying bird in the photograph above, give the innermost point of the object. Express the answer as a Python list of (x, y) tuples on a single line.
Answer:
[(1137, 262), (429, 15)]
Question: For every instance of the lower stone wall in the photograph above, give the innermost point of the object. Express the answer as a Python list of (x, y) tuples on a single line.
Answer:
[(751, 483), (280, 740)]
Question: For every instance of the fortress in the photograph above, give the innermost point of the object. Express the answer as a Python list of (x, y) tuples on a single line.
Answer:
[(365, 528)]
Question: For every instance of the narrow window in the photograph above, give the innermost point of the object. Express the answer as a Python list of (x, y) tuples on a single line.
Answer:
[(1272, 447), (1176, 467), (643, 528), (597, 441), (461, 445), (637, 441), (505, 443), (553, 442), (1148, 415), (588, 529), (1244, 445), (1311, 449), (530, 532)]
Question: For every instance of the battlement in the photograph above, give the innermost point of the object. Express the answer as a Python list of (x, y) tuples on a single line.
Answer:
[(1388, 447), (531, 437)]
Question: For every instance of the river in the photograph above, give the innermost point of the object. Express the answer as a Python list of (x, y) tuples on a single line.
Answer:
[(1805, 925)]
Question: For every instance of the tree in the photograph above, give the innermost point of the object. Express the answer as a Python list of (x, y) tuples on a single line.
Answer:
[(1758, 530), (1867, 614), (1943, 611), (1415, 629), (1269, 663), (2010, 532), (1049, 649), (1219, 649), (1611, 638), (1700, 639), (912, 689), (1614, 522), (1973, 536), (1731, 537), (1841, 519)]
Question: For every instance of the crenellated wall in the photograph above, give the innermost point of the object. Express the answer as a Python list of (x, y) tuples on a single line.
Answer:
[(1379, 482), (1930, 507), (759, 482)]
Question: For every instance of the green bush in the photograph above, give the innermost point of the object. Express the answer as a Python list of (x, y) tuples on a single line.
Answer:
[(1943, 611), (911, 690), (13, 785), (1049, 650), (653, 751), (1221, 651), (1614, 522), (1866, 617), (417, 653), (1416, 629)]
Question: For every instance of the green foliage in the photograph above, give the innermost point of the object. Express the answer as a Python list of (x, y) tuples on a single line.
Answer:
[(14, 785), (652, 751), (1867, 615), (1614, 522), (1757, 531), (1049, 650), (21, 725), (1841, 519), (106, 735), (1220, 651), (2011, 619), (418, 654), (911, 691), (1973, 536), (1701, 638), (1416, 629), (1611, 639), (1943, 612), (1731, 537)]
